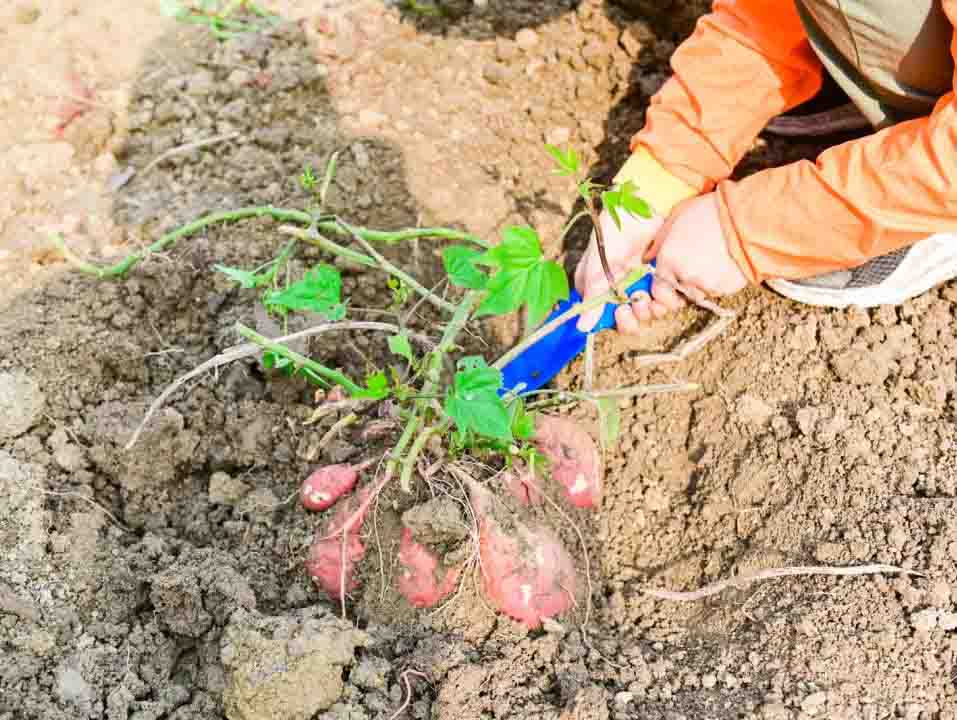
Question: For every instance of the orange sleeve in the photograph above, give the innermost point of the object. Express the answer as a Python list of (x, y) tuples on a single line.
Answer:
[(746, 62), (861, 199)]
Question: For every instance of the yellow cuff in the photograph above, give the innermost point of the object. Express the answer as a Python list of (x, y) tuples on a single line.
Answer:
[(656, 186)]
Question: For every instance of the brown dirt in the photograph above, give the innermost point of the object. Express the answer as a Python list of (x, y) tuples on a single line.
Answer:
[(818, 436)]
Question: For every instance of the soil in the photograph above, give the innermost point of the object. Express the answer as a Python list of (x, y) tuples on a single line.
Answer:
[(167, 581)]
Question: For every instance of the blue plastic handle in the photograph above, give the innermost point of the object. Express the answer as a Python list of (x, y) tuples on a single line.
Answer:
[(538, 364)]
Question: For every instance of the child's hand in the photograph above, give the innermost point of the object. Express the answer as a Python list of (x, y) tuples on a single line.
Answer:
[(691, 253), (624, 249)]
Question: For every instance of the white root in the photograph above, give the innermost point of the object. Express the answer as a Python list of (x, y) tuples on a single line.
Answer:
[(770, 573)]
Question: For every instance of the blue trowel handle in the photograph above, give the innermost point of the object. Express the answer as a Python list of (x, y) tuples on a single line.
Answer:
[(607, 321)]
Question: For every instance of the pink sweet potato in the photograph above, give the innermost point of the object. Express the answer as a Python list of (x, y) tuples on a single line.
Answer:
[(327, 564), (418, 581), (522, 484), (326, 485), (526, 573), (574, 461)]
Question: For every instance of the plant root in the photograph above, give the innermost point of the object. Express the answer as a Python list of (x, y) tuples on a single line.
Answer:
[(408, 691), (693, 344), (770, 573), (337, 428)]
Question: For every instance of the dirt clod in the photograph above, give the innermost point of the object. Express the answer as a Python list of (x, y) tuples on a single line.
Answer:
[(21, 403), (286, 667)]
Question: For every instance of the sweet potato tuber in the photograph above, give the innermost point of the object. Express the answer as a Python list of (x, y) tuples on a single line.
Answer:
[(326, 485), (418, 581), (574, 461), (327, 564), (521, 483), (526, 573)]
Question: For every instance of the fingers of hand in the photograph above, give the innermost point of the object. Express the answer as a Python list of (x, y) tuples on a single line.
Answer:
[(626, 320), (665, 295)]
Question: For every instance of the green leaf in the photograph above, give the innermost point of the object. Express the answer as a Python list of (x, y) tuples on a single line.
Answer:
[(520, 249), (611, 201), (585, 189), (459, 262), (473, 401), (609, 421), (523, 276), (319, 292), (377, 387), (522, 423), (506, 291), (400, 345), (629, 199), (547, 283), (624, 197), (567, 161), (474, 375), (246, 278)]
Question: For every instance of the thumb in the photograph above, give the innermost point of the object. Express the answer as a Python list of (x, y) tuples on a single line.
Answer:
[(587, 320)]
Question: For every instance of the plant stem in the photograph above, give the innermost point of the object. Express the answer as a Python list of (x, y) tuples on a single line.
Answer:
[(432, 376), (408, 464), (300, 360), (396, 272), (452, 330), (404, 439), (122, 267), (559, 397), (314, 238), (600, 242), (574, 311)]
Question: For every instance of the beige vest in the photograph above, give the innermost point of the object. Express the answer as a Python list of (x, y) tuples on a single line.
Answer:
[(892, 57)]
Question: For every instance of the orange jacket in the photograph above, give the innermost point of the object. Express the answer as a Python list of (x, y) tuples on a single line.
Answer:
[(748, 61)]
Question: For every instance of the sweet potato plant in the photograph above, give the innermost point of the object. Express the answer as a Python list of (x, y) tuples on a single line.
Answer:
[(441, 403)]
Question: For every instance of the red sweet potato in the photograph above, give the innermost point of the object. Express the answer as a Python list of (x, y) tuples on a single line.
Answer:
[(521, 482), (526, 573), (326, 485), (574, 461), (418, 581), (327, 564)]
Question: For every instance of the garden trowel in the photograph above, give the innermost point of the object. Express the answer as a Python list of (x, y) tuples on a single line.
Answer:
[(539, 363)]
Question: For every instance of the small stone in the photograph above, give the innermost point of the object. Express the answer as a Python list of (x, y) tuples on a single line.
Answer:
[(623, 698), (495, 74), (709, 681), (754, 410), (897, 537), (21, 403), (814, 702), (526, 38)]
